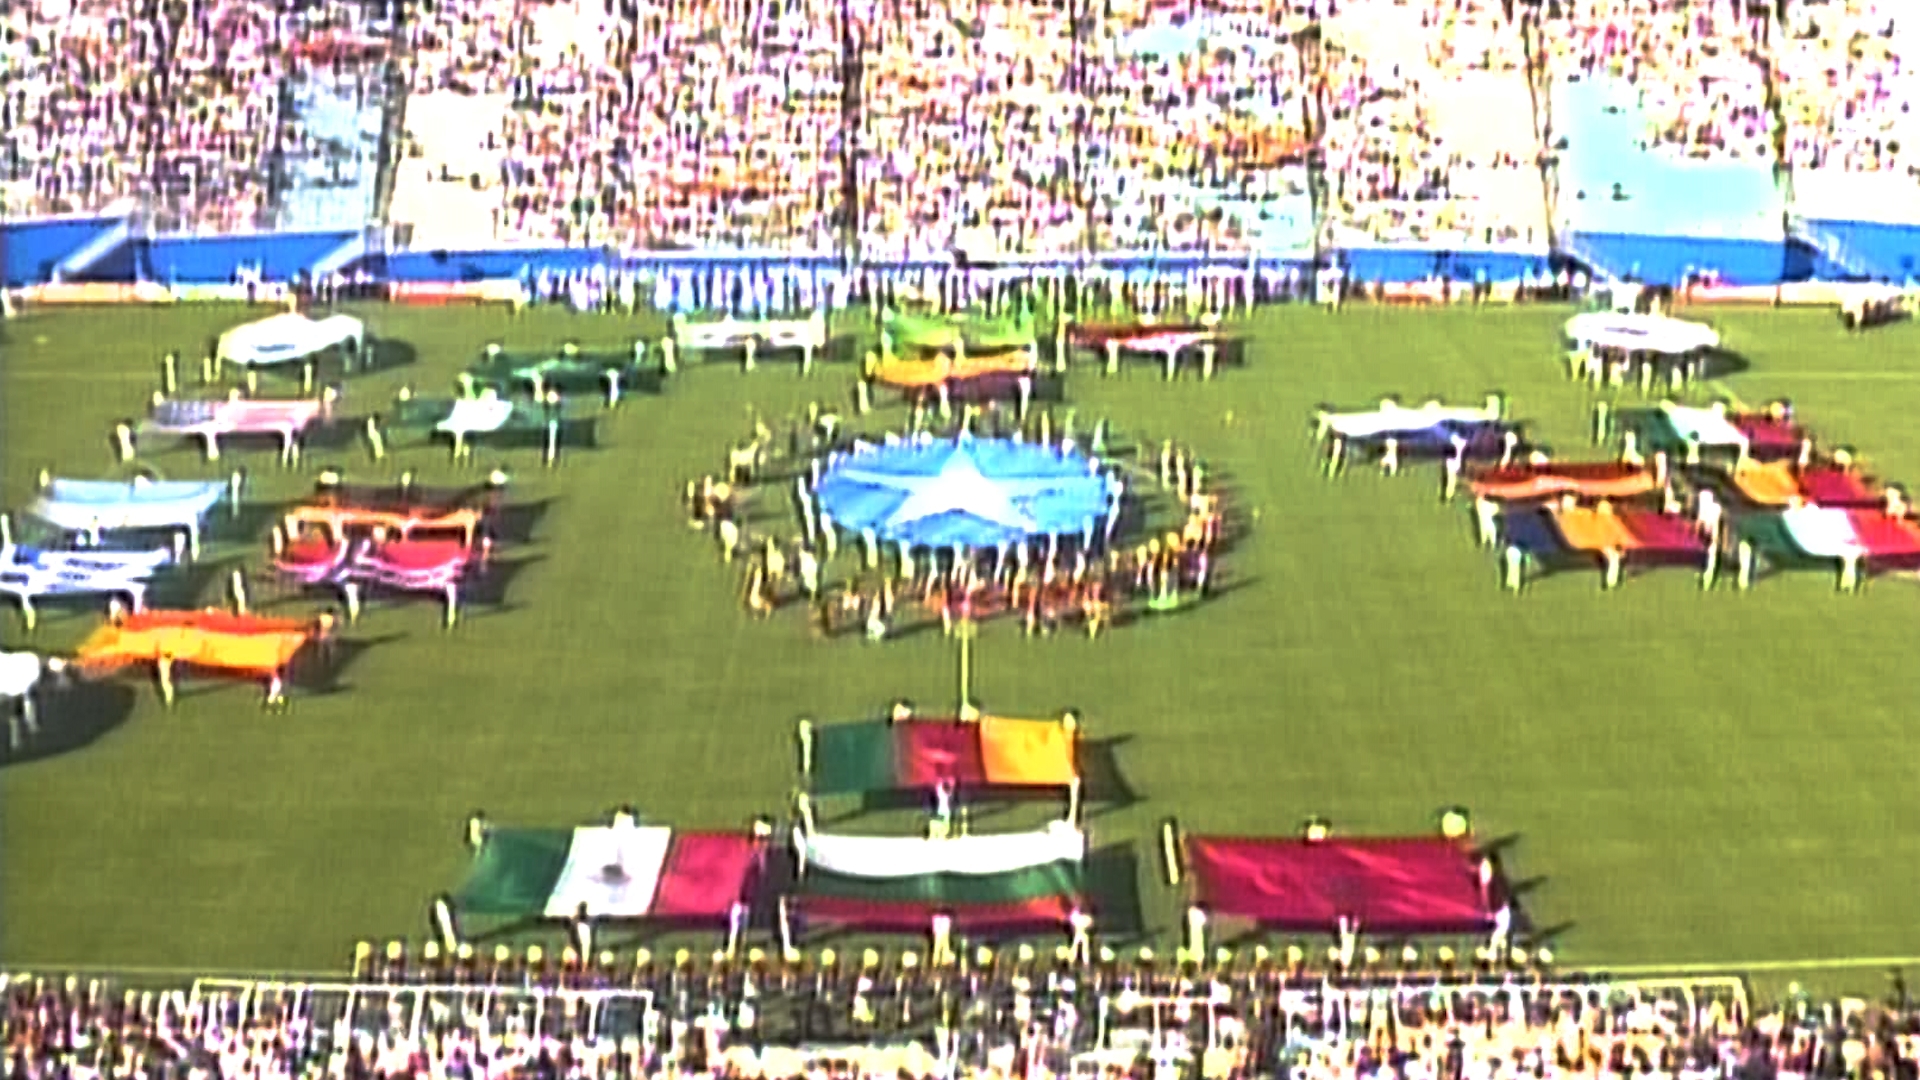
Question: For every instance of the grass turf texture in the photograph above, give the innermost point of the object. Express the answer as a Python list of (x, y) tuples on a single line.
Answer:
[(1690, 778)]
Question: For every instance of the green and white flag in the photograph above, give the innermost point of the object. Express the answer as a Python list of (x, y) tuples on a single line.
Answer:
[(617, 871), (902, 882), (470, 416)]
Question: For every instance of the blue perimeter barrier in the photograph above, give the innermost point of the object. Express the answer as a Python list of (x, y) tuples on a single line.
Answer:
[(87, 250)]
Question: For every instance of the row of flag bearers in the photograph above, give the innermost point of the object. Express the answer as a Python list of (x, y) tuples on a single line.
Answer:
[(1046, 583), (1700, 505)]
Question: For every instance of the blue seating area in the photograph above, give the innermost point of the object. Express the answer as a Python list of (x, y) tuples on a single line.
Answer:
[(214, 260), (33, 250), (1394, 264), (1660, 194), (1871, 248), (492, 265), (1668, 260), (1631, 210)]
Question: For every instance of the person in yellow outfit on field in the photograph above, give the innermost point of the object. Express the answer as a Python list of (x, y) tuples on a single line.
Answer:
[(1094, 608), (775, 560), (1194, 532), (757, 590)]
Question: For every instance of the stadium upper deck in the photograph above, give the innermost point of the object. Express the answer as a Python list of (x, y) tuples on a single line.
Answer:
[(995, 126)]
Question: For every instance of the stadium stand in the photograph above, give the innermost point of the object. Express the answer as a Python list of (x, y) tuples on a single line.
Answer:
[(1664, 129), (1214, 107), (1847, 99), (1404, 140), (449, 179), (878, 1016), (1847, 105), (1431, 136), (224, 145), (200, 115)]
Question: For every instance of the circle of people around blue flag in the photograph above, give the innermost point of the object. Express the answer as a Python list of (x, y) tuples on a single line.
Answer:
[(975, 493)]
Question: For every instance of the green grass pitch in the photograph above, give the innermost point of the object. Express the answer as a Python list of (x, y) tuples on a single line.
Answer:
[(1689, 777)]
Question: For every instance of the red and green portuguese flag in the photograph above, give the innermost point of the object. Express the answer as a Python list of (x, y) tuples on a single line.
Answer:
[(901, 883)]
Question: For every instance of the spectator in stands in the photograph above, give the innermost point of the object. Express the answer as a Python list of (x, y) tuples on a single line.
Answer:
[(179, 108), (857, 1018)]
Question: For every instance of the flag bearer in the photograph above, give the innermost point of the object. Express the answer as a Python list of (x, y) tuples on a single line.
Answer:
[(776, 564), (1486, 514), (757, 601), (809, 569), (1707, 515), (163, 674), (1095, 607)]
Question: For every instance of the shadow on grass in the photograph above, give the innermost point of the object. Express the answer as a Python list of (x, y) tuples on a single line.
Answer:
[(184, 587), (338, 435), (1045, 388), (918, 628), (321, 671), (388, 354), (488, 588), (1724, 364), (255, 520), (73, 717), (576, 433), (1113, 892), (1104, 784), (1519, 890), (1545, 937), (1499, 846), (519, 522)]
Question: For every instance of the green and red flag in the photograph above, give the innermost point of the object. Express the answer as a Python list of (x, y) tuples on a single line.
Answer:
[(917, 755), (901, 883), (619, 871)]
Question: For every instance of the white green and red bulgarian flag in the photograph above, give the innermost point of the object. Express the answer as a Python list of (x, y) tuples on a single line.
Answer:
[(901, 883), (620, 871)]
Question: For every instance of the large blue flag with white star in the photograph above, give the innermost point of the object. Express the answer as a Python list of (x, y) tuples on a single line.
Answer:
[(977, 493)]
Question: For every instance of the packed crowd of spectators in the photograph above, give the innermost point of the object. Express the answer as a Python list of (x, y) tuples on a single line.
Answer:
[(871, 1016), (180, 106), (1429, 127), (990, 127), (75, 96), (1192, 149), (986, 128), (990, 130), (1702, 71), (1847, 93)]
